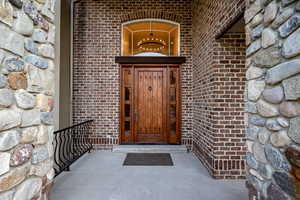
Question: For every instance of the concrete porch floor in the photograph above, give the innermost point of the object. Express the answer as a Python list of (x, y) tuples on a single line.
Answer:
[(101, 176)]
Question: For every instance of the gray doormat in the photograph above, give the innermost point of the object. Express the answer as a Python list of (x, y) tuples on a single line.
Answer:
[(148, 159)]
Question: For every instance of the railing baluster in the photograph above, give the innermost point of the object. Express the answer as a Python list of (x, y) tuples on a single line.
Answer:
[(70, 144), (84, 136)]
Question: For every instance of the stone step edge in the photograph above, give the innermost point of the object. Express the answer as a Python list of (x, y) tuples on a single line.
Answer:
[(140, 149)]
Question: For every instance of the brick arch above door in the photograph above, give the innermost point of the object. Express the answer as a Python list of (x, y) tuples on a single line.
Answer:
[(153, 14)]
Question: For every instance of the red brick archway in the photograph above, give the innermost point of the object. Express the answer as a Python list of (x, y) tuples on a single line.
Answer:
[(153, 14)]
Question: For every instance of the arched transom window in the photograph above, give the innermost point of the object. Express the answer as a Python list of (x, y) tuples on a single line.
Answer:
[(150, 38)]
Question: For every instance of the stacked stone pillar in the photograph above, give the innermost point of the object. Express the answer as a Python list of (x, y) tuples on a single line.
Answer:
[(27, 35), (273, 99)]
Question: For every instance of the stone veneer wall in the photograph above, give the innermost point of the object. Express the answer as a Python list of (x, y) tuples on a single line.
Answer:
[(218, 79), (97, 40), (273, 98), (27, 35)]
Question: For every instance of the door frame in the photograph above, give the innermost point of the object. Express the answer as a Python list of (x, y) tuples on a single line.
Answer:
[(179, 101)]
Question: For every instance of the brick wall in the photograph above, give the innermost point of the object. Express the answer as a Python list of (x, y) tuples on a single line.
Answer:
[(218, 93), (229, 128), (97, 40)]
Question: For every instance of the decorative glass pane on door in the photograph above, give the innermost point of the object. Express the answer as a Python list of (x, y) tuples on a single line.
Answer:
[(127, 94), (173, 127), (127, 110), (127, 128), (173, 77), (127, 77), (172, 94), (173, 111)]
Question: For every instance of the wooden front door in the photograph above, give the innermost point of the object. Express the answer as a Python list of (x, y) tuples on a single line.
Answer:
[(150, 104), (150, 112)]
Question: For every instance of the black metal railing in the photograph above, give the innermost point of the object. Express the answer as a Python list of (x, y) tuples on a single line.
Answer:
[(70, 144)]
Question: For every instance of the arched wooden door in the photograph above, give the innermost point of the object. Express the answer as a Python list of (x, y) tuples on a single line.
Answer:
[(150, 104)]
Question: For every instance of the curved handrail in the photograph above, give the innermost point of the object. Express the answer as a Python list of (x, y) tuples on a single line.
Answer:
[(70, 144)]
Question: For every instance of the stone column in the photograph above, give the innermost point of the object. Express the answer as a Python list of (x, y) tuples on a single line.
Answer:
[(27, 35), (273, 99)]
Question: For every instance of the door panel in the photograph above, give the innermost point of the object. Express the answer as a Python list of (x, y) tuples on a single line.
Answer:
[(150, 104)]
